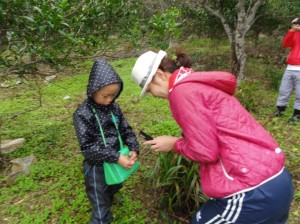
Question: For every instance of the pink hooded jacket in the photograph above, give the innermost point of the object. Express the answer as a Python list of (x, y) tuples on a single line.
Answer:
[(235, 153)]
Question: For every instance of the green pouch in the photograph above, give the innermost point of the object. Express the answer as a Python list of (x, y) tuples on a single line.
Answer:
[(115, 173)]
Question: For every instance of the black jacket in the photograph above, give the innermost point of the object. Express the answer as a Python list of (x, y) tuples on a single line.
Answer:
[(86, 125)]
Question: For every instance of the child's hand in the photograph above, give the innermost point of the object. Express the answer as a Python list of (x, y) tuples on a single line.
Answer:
[(125, 161), (133, 155)]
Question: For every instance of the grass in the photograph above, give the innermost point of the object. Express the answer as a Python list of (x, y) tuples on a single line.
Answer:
[(54, 191)]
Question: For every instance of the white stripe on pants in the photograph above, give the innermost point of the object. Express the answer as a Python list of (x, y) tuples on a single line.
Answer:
[(232, 211)]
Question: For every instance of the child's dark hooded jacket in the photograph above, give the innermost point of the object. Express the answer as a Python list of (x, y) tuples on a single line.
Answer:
[(86, 125)]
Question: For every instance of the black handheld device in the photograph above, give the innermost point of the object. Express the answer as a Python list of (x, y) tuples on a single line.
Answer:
[(145, 136)]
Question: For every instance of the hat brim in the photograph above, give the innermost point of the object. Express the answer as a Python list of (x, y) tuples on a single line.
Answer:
[(160, 55)]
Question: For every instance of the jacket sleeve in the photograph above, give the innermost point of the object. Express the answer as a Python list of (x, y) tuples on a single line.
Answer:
[(288, 40), (128, 136), (90, 140), (191, 112)]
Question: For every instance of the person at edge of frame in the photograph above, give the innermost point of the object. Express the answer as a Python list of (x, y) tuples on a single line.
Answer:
[(291, 77)]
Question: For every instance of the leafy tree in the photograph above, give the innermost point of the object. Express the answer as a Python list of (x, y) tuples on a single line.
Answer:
[(160, 23), (164, 27), (60, 32), (237, 17), (274, 18)]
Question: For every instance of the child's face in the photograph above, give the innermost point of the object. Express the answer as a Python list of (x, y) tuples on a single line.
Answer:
[(107, 94)]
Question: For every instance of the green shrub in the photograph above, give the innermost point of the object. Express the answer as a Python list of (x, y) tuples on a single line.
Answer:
[(273, 76), (177, 179), (247, 94)]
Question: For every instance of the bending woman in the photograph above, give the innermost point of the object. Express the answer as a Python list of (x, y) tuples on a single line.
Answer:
[(241, 166)]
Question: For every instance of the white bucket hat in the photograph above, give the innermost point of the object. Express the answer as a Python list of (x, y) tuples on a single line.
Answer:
[(145, 68)]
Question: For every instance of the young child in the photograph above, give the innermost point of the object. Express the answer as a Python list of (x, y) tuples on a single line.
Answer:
[(104, 87)]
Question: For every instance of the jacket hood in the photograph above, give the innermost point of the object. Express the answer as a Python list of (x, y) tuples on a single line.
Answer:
[(102, 74), (223, 81)]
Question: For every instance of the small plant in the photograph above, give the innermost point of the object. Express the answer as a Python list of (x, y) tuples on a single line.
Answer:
[(246, 93), (167, 26), (178, 181), (274, 76)]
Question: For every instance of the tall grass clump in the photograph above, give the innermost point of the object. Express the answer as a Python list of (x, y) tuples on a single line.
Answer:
[(177, 179), (247, 94), (273, 76)]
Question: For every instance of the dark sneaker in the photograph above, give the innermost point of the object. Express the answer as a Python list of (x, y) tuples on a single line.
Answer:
[(294, 119), (278, 113)]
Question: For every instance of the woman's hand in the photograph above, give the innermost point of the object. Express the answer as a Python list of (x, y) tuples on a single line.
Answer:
[(162, 143)]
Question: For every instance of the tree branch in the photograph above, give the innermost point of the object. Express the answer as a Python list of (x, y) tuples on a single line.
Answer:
[(251, 12), (218, 14)]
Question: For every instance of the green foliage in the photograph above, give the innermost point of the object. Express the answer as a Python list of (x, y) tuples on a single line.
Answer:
[(286, 10), (247, 94), (54, 191), (53, 32), (165, 27), (274, 76), (178, 181), (203, 23), (36, 32), (131, 208)]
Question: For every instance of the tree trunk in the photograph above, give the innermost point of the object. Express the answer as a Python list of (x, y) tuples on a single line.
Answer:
[(234, 60), (3, 40), (238, 56), (241, 57), (236, 34), (240, 32)]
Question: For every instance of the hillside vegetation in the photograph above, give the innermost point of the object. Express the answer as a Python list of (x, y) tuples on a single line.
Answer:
[(54, 192)]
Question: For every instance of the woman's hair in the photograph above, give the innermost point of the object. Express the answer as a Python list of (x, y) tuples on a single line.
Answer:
[(170, 65)]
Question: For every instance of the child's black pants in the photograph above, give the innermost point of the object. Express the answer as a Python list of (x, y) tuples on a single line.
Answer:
[(99, 193)]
